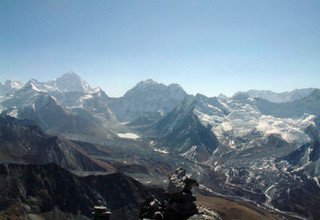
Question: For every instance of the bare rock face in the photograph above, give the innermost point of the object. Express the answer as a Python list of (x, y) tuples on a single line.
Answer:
[(180, 201), (40, 189), (23, 142), (177, 182)]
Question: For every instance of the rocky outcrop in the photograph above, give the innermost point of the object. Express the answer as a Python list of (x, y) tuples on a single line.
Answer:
[(179, 203), (43, 188)]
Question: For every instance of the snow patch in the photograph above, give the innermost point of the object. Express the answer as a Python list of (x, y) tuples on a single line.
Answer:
[(128, 136), (13, 113), (301, 168), (85, 97), (191, 153), (317, 180), (35, 88), (161, 150)]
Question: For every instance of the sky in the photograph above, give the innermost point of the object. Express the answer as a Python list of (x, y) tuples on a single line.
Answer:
[(206, 46)]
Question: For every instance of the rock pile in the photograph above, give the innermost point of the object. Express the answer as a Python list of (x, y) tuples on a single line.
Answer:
[(178, 202)]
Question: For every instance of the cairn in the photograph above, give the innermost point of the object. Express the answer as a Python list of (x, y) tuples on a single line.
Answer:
[(178, 202)]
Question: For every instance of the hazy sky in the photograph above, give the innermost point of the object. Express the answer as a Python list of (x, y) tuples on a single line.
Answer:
[(207, 46)]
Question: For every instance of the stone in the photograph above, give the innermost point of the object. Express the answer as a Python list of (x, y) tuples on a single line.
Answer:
[(179, 202)]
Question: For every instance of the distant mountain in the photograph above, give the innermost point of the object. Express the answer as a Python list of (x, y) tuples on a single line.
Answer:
[(62, 87), (84, 112), (71, 82), (53, 118), (308, 105), (9, 87), (68, 82), (244, 146), (23, 142), (95, 107), (241, 121), (235, 125), (278, 97), (181, 132), (23, 97), (148, 99), (48, 190)]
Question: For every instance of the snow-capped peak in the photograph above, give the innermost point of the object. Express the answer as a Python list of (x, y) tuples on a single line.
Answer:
[(280, 97), (12, 84), (71, 82), (35, 85), (9, 86)]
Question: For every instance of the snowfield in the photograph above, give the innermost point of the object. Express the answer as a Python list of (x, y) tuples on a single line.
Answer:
[(128, 136), (245, 120)]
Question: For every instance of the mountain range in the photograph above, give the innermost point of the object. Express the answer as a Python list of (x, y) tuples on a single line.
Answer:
[(279, 97), (256, 146)]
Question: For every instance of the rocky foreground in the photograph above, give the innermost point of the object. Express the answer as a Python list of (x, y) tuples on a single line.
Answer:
[(51, 192)]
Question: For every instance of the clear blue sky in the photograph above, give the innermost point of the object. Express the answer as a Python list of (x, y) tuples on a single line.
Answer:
[(207, 46)]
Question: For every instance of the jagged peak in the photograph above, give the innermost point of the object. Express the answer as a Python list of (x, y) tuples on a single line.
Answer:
[(9, 86), (34, 85), (148, 82), (11, 82)]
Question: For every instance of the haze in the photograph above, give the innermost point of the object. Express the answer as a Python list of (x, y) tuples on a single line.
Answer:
[(207, 46)]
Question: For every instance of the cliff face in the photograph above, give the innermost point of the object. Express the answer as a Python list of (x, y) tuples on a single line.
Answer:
[(44, 188)]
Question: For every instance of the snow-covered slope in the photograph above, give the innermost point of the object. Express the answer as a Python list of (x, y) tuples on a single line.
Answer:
[(148, 99), (68, 82), (54, 118), (307, 105), (238, 121), (9, 87), (66, 105), (239, 124)]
